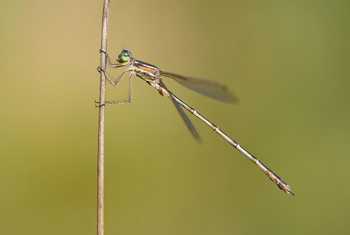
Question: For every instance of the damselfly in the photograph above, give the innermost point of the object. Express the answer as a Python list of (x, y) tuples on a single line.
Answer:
[(153, 76)]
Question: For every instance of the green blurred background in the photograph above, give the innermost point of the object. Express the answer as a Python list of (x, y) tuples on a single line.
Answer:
[(288, 61)]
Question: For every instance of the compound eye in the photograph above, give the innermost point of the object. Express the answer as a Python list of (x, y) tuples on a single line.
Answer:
[(123, 57)]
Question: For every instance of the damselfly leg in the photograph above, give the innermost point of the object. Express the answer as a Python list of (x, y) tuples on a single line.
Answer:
[(115, 81)]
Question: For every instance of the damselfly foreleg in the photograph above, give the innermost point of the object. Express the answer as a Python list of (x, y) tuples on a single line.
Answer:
[(109, 61)]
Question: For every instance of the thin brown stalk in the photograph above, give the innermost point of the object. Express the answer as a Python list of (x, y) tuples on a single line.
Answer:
[(101, 123)]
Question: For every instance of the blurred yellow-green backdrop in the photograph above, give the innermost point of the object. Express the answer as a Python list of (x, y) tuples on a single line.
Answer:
[(286, 60)]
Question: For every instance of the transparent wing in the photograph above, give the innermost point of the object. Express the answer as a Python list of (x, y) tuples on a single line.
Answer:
[(186, 120), (204, 87), (184, 117)]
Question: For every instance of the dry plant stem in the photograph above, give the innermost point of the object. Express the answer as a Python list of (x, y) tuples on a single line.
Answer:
[(101, 122)]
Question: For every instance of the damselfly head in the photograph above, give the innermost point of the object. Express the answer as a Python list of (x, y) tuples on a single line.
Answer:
[(124, 56)]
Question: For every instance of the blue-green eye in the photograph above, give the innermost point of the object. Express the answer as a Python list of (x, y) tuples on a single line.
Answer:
[(124, 56)]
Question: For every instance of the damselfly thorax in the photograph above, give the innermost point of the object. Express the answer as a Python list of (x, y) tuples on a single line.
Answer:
[(149, 73), (152, 72)]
